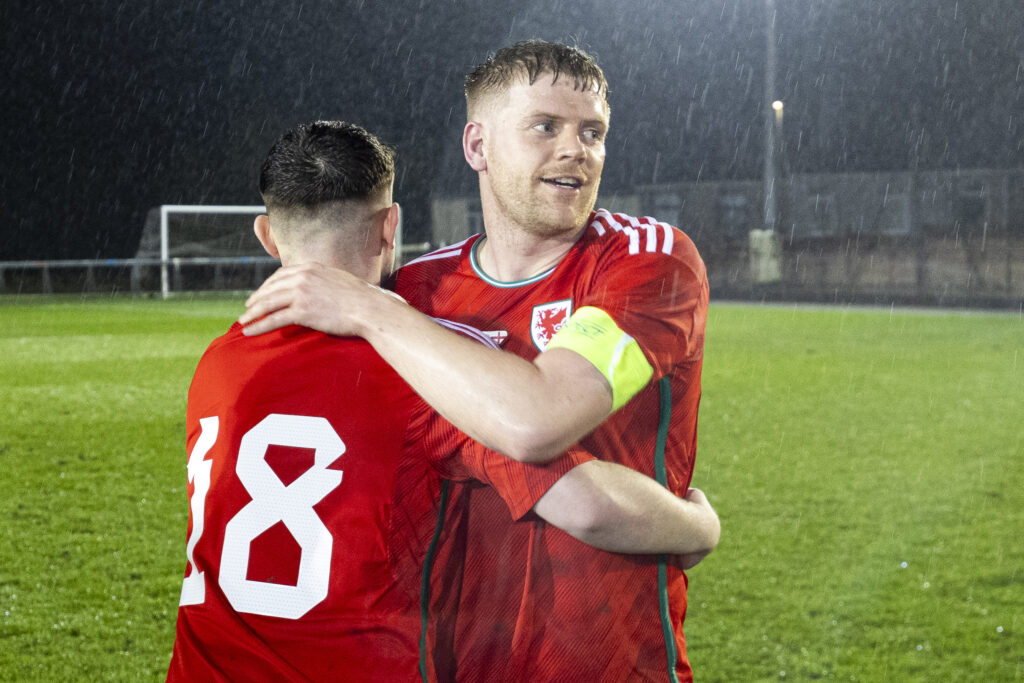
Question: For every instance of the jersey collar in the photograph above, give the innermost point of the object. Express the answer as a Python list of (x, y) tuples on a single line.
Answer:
[(475, 264)]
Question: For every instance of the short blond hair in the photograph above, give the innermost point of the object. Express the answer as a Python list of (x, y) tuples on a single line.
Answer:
[(527, 61)]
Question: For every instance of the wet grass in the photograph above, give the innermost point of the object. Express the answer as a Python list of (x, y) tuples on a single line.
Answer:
[(867, 465), (92, 497), (869, 470)]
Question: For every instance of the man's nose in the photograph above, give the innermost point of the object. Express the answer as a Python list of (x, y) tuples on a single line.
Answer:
[(571, 145)]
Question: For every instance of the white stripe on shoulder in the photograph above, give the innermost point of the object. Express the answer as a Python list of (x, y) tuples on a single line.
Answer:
[(657, 235), (596, 223), (443, 252), (668, 231), (467, 331)]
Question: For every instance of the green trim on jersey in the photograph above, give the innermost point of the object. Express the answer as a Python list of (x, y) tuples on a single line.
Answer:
[(661, 476), (593, 334), (498, 283), (428, 565)]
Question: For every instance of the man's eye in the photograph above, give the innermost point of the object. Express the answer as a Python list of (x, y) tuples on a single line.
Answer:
[(545, 127), (594, 134)]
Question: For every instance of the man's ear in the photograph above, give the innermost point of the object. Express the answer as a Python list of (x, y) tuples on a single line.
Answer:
[(473, 145), (261, 226), (389, 231)]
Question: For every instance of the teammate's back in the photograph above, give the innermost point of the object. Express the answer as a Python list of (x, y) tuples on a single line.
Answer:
[(297, 567), (294, 571)]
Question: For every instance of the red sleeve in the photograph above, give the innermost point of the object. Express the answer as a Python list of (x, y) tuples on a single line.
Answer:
[(655, 287), (456, 456)]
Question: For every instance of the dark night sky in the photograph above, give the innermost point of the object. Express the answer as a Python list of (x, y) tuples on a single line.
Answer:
[(112, 107)]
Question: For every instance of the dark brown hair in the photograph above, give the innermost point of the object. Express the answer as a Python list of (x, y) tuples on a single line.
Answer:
[(326, 161)]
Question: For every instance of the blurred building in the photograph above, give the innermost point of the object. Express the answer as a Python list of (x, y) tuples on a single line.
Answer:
[(928, 237)]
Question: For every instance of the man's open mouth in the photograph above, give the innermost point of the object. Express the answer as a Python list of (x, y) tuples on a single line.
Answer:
[(570, 183)]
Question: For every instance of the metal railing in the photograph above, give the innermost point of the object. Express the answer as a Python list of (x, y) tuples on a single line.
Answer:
[(223, 272)]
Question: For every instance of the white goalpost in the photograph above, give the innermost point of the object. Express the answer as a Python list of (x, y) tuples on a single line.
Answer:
[(195, 244), (211, 247), (204, 247)]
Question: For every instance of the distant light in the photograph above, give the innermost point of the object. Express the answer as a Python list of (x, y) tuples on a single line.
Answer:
[(777, 105)]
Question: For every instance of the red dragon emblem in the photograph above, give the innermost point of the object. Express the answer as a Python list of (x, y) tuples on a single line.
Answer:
[(548, 319)]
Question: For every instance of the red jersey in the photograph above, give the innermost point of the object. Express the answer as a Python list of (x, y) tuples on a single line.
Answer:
[(536, 604), (313, 476)]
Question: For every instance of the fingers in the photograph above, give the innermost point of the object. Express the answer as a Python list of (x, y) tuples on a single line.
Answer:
[(697, 496), (286, 275), (274, 299), (691, 560), (273, 309), (264, 301), (281, 274), (311, 295), (273, 321)]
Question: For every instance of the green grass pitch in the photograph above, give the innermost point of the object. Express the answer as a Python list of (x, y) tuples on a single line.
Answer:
[(868, 466)]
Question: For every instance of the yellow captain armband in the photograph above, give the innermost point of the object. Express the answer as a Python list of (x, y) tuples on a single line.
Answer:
[(593, 334)]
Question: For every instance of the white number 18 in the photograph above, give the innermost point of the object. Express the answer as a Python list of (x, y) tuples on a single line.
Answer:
[(272, 502)]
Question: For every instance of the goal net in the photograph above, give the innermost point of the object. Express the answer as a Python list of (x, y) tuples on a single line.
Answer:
[(202, 248)]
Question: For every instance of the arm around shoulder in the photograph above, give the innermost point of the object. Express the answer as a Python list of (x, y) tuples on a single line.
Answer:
[(528, 411)]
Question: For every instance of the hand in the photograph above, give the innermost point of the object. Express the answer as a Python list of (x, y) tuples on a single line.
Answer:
[(691, 560), (312, 295), (697, 497)]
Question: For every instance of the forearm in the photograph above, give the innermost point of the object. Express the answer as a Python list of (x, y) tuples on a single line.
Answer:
[(530, 412), (617, 509)]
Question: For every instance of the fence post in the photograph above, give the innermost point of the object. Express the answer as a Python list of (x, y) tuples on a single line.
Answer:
[(1010, 267), (177, 275), (135, 279)]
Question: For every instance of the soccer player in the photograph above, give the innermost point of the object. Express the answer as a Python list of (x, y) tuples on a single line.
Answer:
[(315, 470)]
